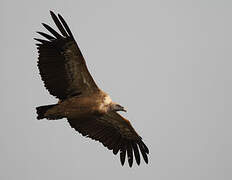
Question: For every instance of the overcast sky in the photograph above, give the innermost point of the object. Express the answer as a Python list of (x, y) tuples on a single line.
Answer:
[(168, 62)]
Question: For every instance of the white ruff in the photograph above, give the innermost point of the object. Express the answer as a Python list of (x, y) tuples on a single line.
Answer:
[(104, 105), (107, 100)]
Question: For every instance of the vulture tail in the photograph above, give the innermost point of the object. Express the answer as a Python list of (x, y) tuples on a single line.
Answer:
[(41, 110)]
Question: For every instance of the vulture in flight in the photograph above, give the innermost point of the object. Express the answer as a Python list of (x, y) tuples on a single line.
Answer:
[(88, 109)]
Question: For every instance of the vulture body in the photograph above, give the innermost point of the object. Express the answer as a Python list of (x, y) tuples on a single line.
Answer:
[(88, 109)]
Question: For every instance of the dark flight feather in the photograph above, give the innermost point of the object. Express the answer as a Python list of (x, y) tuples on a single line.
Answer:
[(129, 154), (58, 24), (41, 41), (122, 155), (66, 26), (143, 151), (136, 152), (46, 35), (57, 35)]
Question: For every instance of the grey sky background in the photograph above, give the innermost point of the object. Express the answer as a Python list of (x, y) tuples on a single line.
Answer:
[(168, 62)]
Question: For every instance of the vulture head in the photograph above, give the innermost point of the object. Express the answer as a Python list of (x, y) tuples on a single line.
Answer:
[(116, 107)]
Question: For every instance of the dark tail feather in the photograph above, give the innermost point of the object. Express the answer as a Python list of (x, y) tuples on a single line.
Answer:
[(41, 110)]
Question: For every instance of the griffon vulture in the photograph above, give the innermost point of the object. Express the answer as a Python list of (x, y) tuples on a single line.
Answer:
[(88, 109)]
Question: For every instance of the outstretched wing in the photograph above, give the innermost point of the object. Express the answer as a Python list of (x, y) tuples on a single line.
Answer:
[(61, 63), (115, 133)]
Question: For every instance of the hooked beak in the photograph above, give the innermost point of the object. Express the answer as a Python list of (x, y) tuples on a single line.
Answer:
[(124, 110), (118, 107)]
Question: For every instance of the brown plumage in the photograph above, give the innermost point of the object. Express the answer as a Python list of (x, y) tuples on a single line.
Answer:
[(89, 110)]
